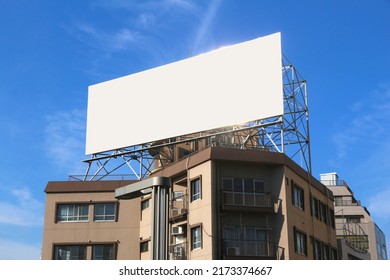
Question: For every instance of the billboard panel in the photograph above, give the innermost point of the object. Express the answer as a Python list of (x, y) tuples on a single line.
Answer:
[(228, 86)]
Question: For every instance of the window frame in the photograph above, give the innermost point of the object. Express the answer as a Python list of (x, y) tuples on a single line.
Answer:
[(196, 241), (300, 242), (112, 253), (196, 194), (143, 204), (298, 196), (314, 207), (323, 212), (115, 213), (56, 252), (79, 217), (144, 246), (317, 249)]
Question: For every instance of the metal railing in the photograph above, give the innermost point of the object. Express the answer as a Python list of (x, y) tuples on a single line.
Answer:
[(116, 177), (347, 203), (333, 182), (179, 205), (231, 198)]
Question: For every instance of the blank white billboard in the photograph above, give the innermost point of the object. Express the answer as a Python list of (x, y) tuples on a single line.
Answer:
[(231, 85)]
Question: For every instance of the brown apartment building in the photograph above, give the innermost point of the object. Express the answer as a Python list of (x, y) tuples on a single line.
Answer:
[(225, 203)]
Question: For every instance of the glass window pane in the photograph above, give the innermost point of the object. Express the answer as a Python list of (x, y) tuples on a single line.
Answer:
[(238, 187), (70, 252), (144, 204), (250, 234), (196, 237), (72, 212), (104, 212), (248, 185), (99, 209), (227, 184), (195, 189), (259, 186), (102, 252)]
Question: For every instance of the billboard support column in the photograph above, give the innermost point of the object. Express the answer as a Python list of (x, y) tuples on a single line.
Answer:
[(159, 187)]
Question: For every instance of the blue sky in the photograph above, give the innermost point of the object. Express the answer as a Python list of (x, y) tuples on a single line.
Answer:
[(51, 51)]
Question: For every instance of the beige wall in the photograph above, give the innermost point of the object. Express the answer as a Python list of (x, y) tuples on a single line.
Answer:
[(124, 232), (145, 224), (303, 220), (200, 211)]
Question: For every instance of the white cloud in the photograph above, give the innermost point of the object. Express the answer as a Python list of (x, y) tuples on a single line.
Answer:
[(11, 250), (365, 127), (206, 21), (106, 41), (65, 139), (23, 209), (379, 205), (157, 7)]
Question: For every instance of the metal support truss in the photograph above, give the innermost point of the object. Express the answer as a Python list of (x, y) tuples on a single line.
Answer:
[(296, 136), (288, 133)]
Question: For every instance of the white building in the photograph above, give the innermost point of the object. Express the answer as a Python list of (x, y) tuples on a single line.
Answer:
[(358, 235)]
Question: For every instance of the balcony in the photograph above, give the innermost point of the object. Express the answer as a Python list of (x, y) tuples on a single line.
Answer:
[(347, 202), (247, 201), (178, 207), (335, 182)]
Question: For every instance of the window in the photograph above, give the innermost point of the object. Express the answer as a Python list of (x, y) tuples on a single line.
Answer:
[(144, 246), (326, 250), (103, 252), (144, 204), (300, 242), (70, 252), (196, 189), (314, 208), (196, 237), (323, 212), (298, 197), (245, 192), (259, 186), (227, 184), (333, 253), (338, 201), (317, 250), (72, 212), (353, 219), (104, 212), (331, 218)]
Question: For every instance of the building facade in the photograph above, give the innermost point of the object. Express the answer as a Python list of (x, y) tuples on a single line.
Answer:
[(358, 235), (225, 203)]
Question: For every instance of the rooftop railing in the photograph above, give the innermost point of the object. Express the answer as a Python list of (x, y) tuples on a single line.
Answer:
[(116, 177)]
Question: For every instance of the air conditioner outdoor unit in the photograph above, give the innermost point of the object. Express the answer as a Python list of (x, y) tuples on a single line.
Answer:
[(177, 230), (233, 251)]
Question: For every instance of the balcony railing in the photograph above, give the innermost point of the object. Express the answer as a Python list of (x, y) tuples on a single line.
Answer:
[(260, 200), (333, 182), (248, 248), (347, 203), (179, 206)]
